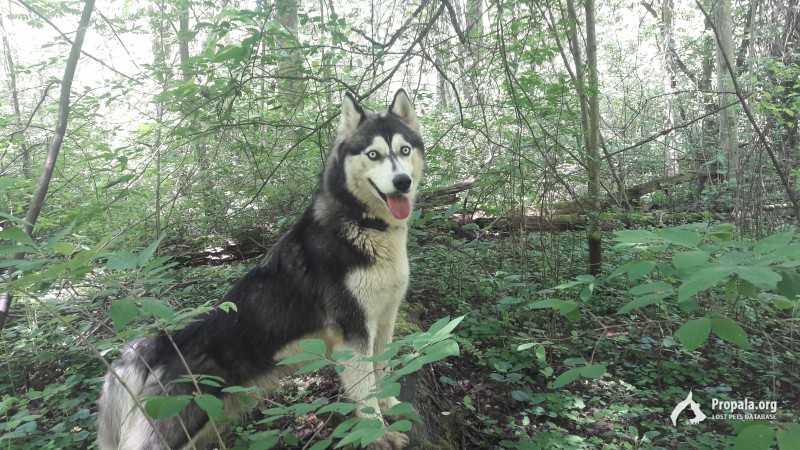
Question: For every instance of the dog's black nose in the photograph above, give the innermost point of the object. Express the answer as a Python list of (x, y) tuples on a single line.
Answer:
[(402, 182)]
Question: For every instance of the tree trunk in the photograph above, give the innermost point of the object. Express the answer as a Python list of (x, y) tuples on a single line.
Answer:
[(199, 148), (14, 96), (291, 87), (668, 31), (55, 145), (590, 125), (728, 136), (159, 55), (709, 129), (593, 150), (474, 33)]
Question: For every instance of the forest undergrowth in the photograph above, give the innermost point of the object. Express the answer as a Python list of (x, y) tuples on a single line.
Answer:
[(549, 357)]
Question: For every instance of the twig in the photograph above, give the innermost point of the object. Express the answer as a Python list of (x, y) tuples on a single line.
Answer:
[(66, 38)]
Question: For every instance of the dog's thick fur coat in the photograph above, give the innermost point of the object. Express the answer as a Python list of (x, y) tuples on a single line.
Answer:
[(339, 275)]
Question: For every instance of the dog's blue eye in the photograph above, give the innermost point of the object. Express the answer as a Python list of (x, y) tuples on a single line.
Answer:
[(405, 150), (372, 154)]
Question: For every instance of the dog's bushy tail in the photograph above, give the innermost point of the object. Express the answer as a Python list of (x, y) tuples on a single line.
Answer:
[(116, 403)]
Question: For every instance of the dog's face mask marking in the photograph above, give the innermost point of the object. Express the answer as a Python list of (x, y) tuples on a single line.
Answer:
[(383, 156), (389, 169)]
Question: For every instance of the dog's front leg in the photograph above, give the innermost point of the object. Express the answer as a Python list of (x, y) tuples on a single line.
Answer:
[(358, 380), (384, 336)]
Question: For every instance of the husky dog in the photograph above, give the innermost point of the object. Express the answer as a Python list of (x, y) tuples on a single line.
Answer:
[(339, 275)]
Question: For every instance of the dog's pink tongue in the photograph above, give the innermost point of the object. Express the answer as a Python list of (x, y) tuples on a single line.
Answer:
[(399, 206)]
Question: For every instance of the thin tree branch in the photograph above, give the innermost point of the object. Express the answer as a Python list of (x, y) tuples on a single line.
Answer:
[(670, 130), (66, 38)]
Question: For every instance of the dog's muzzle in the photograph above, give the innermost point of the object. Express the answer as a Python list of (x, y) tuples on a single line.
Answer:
[(399, 205)]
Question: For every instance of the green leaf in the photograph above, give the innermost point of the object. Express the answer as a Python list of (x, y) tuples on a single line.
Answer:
[(344, 427), (781, 302), (443, 349), (755, 437), (702, 280), (387, 390), (773, 242), (635, 237), (7, 182), (264, 441), (788, 436), (322, 445), (122, 312), (210, 404), (343, 355), (729, 330), (789, 286), (147, 253), (686, 262), (300, 409), (364, 435), (641, 302), (241, 389), (16, 235), (574, 361), (745, 289), (722, 232), (228, 306), (563, 307), (316, 346), (343, 408), (759, 275), (452, 210), (639, 269), (122, 179), (442, 328), (634, 269), (402, 426), (65, 248), (567, 377), (694, 332), (157, 308), (298, 358), (14, 248), (121, 261), (656, 287), (312, 366), (594, 371), (401, 409), (161, 407), (684, 238), (233, 52), (56, 238), (549, 303)]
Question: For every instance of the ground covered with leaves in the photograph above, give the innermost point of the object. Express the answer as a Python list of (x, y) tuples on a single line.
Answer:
[(549, 357)]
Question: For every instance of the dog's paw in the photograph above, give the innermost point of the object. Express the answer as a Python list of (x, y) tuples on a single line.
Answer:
[(392, 440)]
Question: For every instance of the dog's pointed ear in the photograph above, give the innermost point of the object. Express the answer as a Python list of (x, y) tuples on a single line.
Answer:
[(402, 108), (352, 115)]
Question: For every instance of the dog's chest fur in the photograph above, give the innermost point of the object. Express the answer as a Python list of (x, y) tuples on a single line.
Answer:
[(381, 285)]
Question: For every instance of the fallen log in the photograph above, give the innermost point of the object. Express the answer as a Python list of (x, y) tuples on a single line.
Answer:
[(608, 221)]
